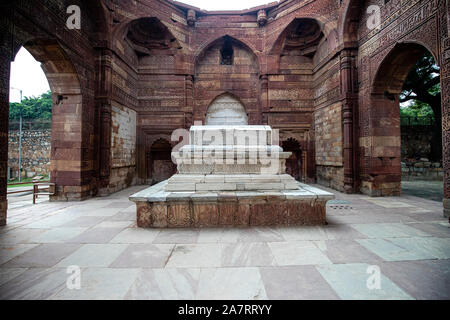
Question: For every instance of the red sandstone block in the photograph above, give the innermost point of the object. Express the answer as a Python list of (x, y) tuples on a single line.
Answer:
[(180, 215), (206, 214), (263, 214), (159, 215), (242, 217), (144, 218), (227, 212)]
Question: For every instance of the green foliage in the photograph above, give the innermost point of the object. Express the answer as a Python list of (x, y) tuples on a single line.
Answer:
[(32, 108), (422, 90), (417, 109)]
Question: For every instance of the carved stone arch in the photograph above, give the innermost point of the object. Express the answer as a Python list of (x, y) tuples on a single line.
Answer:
[(383, 149), (226, 109), (394, 67), (349, 21), (276, 47), (148, 36), (211, 42)]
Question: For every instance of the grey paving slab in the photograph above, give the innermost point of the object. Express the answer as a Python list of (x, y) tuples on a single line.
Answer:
[(342, 232), (34, 284), (388, 230), (7, 274), (303, 233), (124, 216), (297, 253), (296, 283), (434, 229), (44, 255), (219, 235), (245, 254), (57, 235), (8, 252), (423, 280), (205, 255), (403, 249), (136, 235), (114, 224), (101, 212), (143, 256), (347, 251), (349, 281), (83, 222), (261, 234), (21, 235), (100, 284), (231, 283), (96, 235), (165, 284), (120, 205), (53, 221), (177, 236), (93, 255)]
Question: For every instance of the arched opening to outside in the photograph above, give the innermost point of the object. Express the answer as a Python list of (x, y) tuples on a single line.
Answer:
[(406, 125), (226, 110), (50, 143), (29, 136), (45, 131)]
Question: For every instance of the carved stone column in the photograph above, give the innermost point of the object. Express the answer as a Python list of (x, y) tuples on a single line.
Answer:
[(348, 102)]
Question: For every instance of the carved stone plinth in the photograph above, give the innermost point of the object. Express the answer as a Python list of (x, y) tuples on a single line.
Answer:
[(230, 176), (157, 208)]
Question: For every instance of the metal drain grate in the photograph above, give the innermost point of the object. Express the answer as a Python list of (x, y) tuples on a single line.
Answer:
[(339, 204)]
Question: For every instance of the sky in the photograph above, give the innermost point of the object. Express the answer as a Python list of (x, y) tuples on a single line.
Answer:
[(225, 4), (27, 74)]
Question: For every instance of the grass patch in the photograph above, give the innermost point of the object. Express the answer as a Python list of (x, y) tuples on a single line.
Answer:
[(20, 185), (14, 183)]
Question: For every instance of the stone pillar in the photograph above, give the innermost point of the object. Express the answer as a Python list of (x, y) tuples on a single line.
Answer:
[(264, 99), (4, 114), (6, 41), (445, 94), (189, 91), (348, 102), (103, 106)]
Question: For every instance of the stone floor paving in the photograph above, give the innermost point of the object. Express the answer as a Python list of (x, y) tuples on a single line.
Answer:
[(405, 238)]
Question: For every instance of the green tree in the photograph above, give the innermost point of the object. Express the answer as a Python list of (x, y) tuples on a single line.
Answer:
[(422, 88), (32, 108)]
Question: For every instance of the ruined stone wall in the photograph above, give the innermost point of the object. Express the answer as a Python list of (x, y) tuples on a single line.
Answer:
[(35, 155)]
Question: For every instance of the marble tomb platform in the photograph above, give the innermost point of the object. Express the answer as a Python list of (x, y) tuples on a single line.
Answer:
[(230, 176)]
